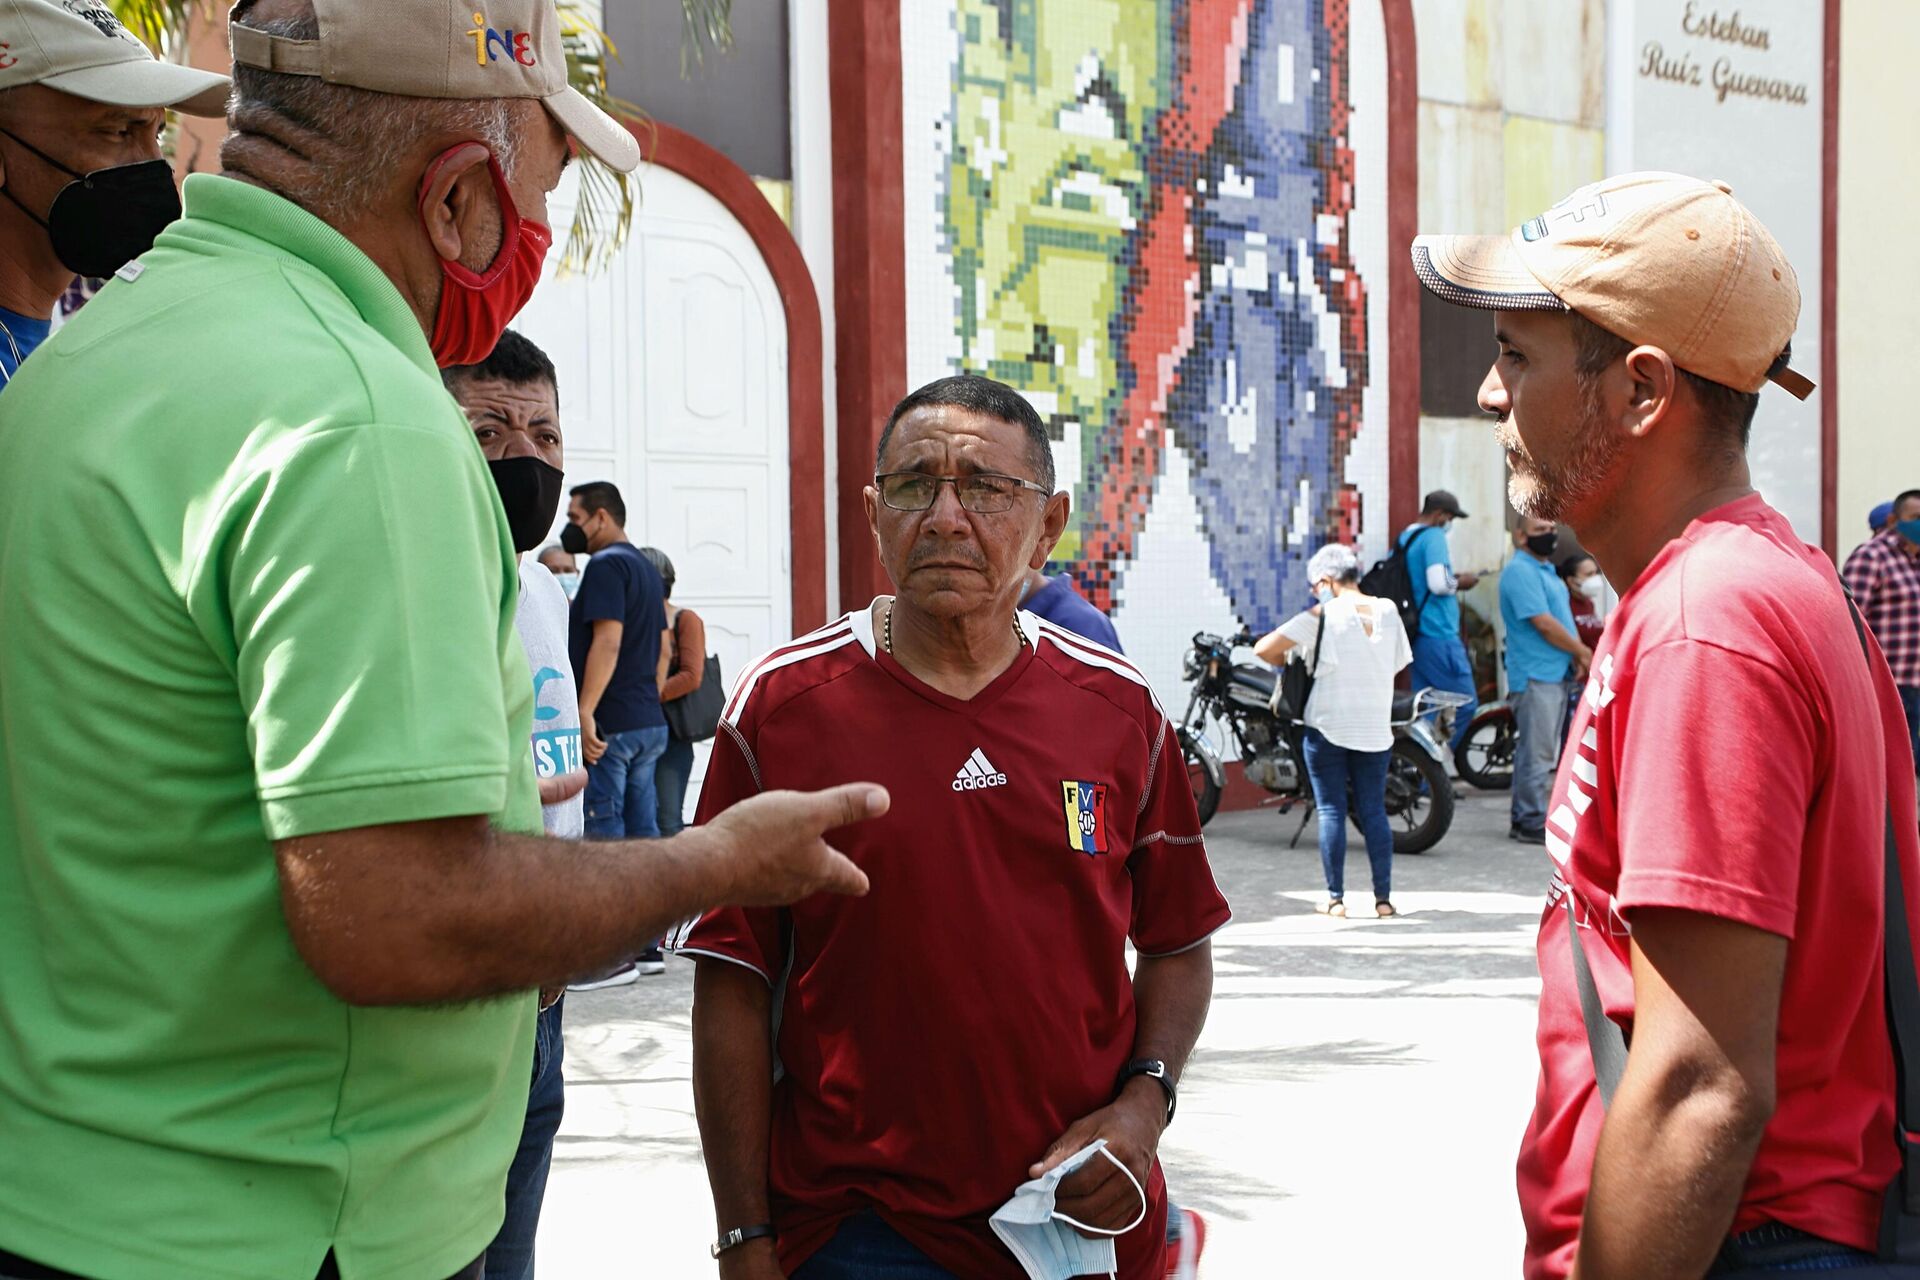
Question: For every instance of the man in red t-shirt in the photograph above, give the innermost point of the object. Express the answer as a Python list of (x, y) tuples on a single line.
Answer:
[(1718, 818), (873, 1084)]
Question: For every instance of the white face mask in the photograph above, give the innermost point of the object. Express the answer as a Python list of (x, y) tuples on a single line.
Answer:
[(1593, 588), (1046, 1243)]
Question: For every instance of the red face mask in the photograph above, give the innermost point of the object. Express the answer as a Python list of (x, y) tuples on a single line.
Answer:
[(476, 307)]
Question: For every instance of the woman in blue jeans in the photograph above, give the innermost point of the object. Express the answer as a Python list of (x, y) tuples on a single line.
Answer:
[(1355, 646)]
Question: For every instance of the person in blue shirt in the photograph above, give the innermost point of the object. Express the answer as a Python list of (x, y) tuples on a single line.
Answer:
[(617, 639), (80, 98), (1060, 602), (1439, 654), (1543, 652)]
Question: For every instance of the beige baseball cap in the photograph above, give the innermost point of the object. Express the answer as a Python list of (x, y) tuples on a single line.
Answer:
[(444, 49), (1656, 258), (79, 47)]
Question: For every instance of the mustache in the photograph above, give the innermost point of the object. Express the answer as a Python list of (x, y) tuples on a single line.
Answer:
[(926, 553)]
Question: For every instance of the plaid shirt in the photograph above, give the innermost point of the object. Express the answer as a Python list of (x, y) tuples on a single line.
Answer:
[(1884, 577)]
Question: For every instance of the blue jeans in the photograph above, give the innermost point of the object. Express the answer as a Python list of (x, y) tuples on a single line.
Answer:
[(1331, 768), (866, 1248), (620, 797), (1440, 662), (510, 1256), (670, 778), (1539, 717), (1774, 1248)]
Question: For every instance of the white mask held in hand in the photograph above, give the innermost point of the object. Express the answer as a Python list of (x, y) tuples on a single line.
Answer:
[(1047, 1243)]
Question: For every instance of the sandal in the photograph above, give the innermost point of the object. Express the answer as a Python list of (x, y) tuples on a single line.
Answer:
[(1384, 909), (1333, 907)]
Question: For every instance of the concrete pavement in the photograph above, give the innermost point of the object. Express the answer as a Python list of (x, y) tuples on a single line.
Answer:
[(1353, 1109)]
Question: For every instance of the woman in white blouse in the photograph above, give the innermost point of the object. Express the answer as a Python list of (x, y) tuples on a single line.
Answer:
[(1349, 734)]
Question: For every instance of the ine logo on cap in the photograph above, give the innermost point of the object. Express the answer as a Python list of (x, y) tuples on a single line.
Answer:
[(491, 44)]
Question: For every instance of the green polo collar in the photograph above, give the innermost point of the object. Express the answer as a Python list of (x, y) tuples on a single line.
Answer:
[(285, 227)]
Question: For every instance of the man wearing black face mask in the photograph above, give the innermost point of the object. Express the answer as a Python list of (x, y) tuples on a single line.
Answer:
[(83, 188), (1543, 652), (512, 398)]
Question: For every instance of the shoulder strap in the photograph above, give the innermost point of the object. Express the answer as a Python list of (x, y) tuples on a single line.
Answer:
[(1319, 633), (1420, 608), (1605, 1041)]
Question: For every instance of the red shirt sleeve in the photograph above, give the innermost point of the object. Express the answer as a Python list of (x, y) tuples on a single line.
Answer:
[(1176, 904), (1717, 749), (750, 936)]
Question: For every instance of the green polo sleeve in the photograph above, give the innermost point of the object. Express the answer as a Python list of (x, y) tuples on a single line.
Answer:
[(364, 571)]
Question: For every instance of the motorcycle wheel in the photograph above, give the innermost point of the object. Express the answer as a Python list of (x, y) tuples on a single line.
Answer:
[(1419, 798), (1206, 792), (1485, 755)]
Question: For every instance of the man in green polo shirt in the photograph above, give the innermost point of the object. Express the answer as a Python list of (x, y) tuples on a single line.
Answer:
[(270, 918)]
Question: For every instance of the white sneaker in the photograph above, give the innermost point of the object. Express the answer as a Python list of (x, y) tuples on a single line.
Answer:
[(650, 968), (625, 975)]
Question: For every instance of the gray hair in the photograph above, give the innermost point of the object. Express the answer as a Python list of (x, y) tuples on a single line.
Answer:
[(1334, 561), (344, 134)]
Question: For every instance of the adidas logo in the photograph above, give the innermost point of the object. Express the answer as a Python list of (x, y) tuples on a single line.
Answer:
[(978, 773)]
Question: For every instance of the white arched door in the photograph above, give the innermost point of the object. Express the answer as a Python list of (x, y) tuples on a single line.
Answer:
[(673, 384)]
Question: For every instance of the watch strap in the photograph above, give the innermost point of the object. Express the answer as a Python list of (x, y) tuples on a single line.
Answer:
[(1157, 1070), (740, 1235)]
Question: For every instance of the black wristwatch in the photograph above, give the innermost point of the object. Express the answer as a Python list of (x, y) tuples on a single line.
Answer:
[(739, 1236), (1158, 1070)]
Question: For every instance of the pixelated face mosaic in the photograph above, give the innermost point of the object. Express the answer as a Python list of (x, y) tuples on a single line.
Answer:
[(1137, 212)]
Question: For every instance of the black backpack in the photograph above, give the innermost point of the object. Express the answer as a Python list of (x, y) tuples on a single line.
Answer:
[(1389, 579)]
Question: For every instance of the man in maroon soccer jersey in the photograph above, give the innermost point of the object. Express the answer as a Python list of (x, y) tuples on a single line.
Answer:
[(972, 1022)]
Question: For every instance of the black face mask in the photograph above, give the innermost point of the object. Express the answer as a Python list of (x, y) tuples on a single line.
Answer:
[(530, 491), (103, 220), (1543, 544), (573, 539)]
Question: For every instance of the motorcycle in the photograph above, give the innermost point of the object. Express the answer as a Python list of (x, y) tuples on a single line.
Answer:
[(1238, 698), (1485, 754)]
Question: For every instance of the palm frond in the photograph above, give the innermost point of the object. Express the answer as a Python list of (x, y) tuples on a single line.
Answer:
[(607, 201), (162, 23), (705, 24)]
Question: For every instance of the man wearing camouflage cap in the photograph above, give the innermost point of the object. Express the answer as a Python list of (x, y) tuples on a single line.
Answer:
[(82, 103), (1736, 785), (272, 908)]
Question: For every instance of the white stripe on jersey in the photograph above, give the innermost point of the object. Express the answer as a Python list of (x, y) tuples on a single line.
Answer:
[(825, 640)]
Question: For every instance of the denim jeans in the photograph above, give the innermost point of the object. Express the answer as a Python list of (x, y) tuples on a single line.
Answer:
[(670, 777), (1775, 1247), (510, 1256), (621, 800), (1539, 712), (866, 1248), (1440, 662), (1330, 768)]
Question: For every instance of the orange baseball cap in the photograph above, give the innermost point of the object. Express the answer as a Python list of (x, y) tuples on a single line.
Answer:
[(474, 49), (1658, 259)]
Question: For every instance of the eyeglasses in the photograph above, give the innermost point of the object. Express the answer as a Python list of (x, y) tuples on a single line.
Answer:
[(984, 493)]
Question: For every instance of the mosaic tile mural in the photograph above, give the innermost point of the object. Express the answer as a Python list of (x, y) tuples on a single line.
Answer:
[(1159, 219)]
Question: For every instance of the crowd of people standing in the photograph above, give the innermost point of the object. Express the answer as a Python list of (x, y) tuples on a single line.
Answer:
[(286, 999)]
